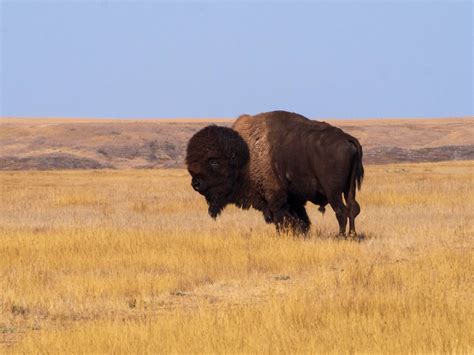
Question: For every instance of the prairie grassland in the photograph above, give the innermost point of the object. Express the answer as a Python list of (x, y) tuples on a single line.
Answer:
[(129, 261)]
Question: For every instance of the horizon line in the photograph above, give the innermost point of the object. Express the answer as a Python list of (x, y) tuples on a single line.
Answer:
[(196, 119)]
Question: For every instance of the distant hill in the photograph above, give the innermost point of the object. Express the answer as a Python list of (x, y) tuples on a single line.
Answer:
[(45, 144)]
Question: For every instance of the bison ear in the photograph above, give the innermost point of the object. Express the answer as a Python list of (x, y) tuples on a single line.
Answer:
[(239, 158), (235, 148)]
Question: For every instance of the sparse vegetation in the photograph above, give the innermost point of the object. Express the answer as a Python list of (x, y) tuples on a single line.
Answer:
[(128, 261), (49, 144)]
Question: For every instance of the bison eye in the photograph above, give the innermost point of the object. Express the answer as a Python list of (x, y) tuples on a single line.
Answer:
[(214, 163)]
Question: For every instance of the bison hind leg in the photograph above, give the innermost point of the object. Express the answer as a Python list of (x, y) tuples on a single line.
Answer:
[(353, 209), (341, 212)]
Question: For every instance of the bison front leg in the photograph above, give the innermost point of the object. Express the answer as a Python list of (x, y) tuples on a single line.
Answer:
[(267, 215), (287, 220), (285, 216), (303, 222)]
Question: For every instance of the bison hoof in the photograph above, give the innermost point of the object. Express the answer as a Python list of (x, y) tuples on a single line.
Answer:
[(268, 218), (353, 234), (213, 214)]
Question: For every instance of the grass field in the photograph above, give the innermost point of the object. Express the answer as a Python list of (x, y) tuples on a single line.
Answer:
[(128, 261)]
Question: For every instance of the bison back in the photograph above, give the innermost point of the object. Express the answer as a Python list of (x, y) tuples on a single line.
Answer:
[(304, 157)]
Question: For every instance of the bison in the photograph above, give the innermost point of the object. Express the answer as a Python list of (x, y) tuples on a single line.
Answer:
[(275, 162)]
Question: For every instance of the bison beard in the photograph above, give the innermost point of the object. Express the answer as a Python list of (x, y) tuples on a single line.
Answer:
[(276, 162), (217, 203), (215, 207)]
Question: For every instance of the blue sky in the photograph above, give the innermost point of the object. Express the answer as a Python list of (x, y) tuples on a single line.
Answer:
[(144, 59)]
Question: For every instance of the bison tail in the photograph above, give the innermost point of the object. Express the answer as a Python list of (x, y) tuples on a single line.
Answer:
[(358, 168)]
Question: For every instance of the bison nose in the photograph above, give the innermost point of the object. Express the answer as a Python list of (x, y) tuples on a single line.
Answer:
[(196, 185)]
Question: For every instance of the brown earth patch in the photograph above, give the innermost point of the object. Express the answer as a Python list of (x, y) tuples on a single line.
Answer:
[(45, 144), (49, 162)]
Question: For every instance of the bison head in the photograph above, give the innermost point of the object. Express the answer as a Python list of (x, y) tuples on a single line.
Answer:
[(215, 158)]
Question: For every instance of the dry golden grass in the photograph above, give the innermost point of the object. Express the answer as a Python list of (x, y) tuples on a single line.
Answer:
[(129, 261)]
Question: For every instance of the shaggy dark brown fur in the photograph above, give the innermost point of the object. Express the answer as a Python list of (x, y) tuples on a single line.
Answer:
[(275, 162)]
